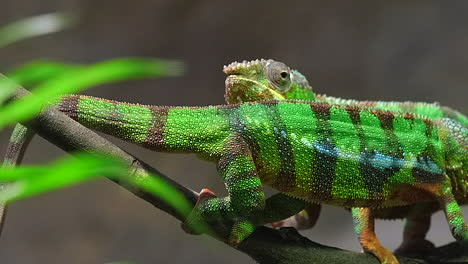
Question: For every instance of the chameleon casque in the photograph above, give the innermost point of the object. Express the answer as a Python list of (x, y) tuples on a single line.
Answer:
[(340, 153)]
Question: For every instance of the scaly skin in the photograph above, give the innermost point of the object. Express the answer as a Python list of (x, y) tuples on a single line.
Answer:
[(268, 79), (346, 156)]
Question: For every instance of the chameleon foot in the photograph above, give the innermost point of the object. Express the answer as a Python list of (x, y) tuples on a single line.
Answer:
[(204, 195), (384, 255)]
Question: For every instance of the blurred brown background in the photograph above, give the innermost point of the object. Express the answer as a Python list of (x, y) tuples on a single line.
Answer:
[(386, 50)]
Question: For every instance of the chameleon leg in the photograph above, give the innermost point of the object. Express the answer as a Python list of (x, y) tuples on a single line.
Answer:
[(246, 196), (417, 225), (453, 213), (19, 140), (305, 219), (364, 226)]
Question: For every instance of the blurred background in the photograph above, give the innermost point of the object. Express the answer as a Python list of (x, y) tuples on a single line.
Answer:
[(374, 50)]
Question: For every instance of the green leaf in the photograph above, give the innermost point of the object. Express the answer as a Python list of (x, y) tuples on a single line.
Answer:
[(76, 80), (28, 181), (36, 72), (35, 26)]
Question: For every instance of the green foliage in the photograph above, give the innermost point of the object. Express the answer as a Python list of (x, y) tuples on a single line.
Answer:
[(27, 181), (35, 72), (51, 79), (75, 79)]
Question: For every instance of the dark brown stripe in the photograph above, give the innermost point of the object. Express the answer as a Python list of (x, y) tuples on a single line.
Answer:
[(355, 115), (155, 138), (375, 177), (286, 180), (324, 163), (237, 123), (69, 105), (386, 122), (429, 127), (409, 116)]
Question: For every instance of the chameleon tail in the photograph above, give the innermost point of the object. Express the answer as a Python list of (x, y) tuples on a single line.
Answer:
[(18, 143), (176, 129)]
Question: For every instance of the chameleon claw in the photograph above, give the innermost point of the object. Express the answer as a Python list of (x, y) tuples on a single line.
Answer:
[(204, 195)]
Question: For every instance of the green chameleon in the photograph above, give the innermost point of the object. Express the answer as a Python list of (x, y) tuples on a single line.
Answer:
[(350, 156), (267, 79)]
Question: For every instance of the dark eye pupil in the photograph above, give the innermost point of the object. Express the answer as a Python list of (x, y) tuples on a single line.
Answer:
[(284, 74)]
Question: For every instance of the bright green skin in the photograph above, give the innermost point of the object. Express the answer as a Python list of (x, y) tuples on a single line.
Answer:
[(261, 79), (312, 151)]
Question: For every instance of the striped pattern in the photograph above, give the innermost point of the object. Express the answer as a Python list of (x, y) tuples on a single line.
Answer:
[(339, 154), (377, 155)]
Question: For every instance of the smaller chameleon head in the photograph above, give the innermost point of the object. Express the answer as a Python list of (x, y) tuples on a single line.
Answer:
[(256, 80)]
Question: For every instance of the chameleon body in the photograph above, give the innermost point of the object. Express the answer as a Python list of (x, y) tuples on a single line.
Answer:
[(349, 156), (268, 79)]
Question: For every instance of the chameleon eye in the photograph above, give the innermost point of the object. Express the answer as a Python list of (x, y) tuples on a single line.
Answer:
[(279, 75)]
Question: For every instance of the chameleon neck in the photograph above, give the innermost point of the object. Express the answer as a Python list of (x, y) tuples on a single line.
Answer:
[(161, 128)]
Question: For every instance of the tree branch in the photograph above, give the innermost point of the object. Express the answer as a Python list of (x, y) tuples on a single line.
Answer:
[(265, 245)]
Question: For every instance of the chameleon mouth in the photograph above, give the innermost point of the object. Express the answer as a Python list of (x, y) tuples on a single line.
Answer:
[(235, 68), (236, 84)]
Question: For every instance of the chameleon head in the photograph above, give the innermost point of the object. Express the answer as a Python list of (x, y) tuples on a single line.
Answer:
[(264, 80)]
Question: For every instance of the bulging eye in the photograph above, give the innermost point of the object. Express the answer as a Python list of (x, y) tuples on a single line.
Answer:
[(279, 75)]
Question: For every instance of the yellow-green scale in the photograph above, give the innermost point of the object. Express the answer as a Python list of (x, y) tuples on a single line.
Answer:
[(201, 130), (126, 121)]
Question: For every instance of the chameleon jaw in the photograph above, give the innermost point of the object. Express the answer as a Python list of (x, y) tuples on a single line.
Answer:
[(240, 89)]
